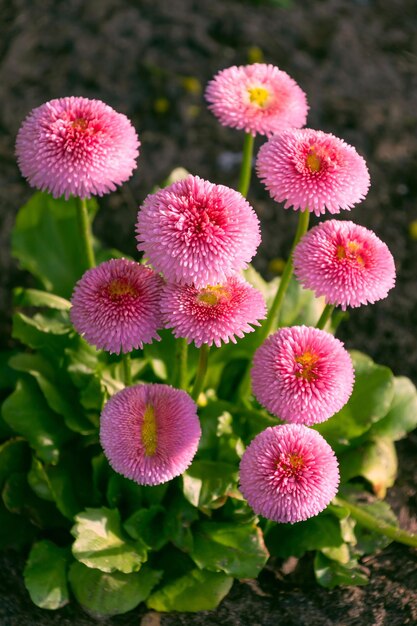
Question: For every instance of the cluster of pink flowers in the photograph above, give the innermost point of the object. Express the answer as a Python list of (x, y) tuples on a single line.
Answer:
[(302, 375), (197, 238), (200, 236)]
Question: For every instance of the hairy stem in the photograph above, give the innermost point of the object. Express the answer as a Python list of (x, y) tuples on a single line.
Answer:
[(201, 372), (275, 309), (127, 369), (246, 168), (85, 232), (181, 361), (325, 316), (369, 521)]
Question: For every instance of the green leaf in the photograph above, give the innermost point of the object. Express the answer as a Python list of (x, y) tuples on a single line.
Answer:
[(209, 416), (99, 542), (8, 377), (402, 415), (196, 591), (254, 420), (370, 401), (36, 297), (267, 288), (46, 242), (19, 498), (59, 393), (39, 481), (123, 493), (14, 457), (369, 542), (207, 484), (71, 482), (374, 460), (177, 525), (147, 525), (104, 594), (219, 440), (41, 332), (331, 573), (300, 306), (83, 361), (232, 374), (16, 531), (27, 412), (161, 355), (45, 575), (316, 533), (236, 549)]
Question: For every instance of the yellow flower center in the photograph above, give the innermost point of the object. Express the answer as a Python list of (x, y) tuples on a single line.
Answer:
[(351, 251), (118, 288), (211, 294), (149, 431), (313, 161), (80, 123), (258, 95), (307, 362), (292, 464)]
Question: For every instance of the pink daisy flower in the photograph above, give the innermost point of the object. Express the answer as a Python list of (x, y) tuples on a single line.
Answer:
[(289, 473), (346, 263), (258, 98), (302, 375), (212, 314), (197, 233), (76, 146), (311, 170), (150, 433), (115, 306)]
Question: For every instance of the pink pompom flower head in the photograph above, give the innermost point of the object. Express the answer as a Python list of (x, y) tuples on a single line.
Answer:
[(312, 170), (76, 146), (257, 98), (302, 375), (195, 232), (212, 314), (116, 306), (344, 262), (150, 433), (289, 473)]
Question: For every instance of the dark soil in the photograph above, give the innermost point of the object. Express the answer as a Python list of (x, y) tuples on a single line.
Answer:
[(356, 60)]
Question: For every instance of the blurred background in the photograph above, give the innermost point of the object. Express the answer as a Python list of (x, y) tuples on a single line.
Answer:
[(151, 59)]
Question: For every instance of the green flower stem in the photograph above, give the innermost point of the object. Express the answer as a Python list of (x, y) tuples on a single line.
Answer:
[(369, 521), (325, 316), (302, 227), (303, 221), (246, 169), (275, 309), (181, 361), (85, 232), (127, 370), (201, 371)]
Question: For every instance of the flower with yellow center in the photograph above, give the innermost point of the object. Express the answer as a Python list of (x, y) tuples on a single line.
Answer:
[(302, 375), (307, 362), (258, 96), (149, 431), (313, 161), (351, 251)]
